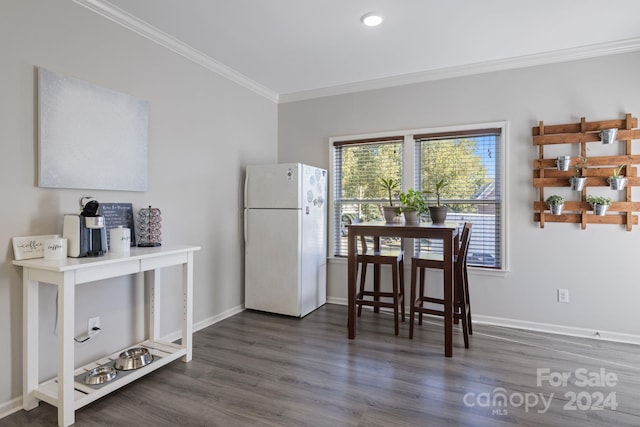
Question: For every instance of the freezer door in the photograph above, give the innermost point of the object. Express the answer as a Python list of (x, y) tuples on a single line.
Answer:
[(273, 260), (273, 186)]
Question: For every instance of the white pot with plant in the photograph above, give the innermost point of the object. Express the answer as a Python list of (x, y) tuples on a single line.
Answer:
[(438, 212), (599, 204), (413, 205), (617, 181), (578, 180), (390, 186), (555, 203)]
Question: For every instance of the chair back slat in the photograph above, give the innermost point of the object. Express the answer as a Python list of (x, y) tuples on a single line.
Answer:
[(363, 243), (464, 243)]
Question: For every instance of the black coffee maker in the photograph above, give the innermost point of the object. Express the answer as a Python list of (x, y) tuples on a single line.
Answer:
[(86, 233)]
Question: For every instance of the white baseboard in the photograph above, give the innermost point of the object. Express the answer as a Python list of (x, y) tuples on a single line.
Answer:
[(571, 331), (10, 407), (541, 327), (176, 335)]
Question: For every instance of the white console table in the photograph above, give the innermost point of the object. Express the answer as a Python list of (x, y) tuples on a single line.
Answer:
[(64, 392)]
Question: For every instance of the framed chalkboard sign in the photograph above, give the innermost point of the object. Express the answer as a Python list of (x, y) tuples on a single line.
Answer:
[(116, 214)]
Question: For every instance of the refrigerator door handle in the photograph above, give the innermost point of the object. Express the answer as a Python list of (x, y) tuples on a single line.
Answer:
[(246, 184), (245, 226)]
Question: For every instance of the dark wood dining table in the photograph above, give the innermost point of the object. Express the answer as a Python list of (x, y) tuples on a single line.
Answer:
[(447, 232)]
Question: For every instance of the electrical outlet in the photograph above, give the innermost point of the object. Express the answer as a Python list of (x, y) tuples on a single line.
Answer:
[(563, 295), (93, 322)]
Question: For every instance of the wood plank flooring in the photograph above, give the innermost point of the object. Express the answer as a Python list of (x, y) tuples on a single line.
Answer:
[(258, 369)]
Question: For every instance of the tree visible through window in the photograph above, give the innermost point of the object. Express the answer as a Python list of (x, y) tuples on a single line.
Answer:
[(469, 161), (358, 193)]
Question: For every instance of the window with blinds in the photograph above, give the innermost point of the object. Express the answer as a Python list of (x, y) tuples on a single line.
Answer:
[(469, 162), (358, 195)]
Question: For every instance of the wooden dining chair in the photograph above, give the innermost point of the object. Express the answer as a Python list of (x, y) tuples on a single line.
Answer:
[(377, 298), (461, 305)]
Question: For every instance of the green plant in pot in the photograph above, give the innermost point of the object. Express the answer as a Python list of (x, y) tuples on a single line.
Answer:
[(390, 186), (555, 203), (438, 212), (413, 205), (617, 181), (578, 180), (599, 204)]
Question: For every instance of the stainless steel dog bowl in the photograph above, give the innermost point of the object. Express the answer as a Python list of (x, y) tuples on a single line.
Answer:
[(100, 375), (133, 358)]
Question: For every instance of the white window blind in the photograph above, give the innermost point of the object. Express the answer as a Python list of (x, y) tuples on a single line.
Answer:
[(358, 194), (469, 162)]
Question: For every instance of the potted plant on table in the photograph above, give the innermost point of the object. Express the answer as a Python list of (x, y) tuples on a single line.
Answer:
[(555, 203), (413, 205), (617, 181), (390, 186), (578, 180), (438, 212), (599, 204)]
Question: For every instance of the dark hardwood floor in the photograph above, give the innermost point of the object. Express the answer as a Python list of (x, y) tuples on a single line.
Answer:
[(257, 369)]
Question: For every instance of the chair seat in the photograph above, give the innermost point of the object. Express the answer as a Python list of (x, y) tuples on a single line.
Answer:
[(432, 260), (392, 255)]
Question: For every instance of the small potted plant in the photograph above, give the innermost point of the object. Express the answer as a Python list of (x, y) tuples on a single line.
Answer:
[(555, 203), (617, 181), (438, 212), (578, 180), (563, 163), (608, 136), (390, 186), (599, 204), (413, 205)]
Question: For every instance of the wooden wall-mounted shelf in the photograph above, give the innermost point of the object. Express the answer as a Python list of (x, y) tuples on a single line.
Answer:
[(599, 168)]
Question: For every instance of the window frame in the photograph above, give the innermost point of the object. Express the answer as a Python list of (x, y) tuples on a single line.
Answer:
[(411, 176)]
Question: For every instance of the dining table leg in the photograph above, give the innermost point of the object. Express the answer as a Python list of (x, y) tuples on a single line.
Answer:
[(376, 275), (351, 283), (448, 295)]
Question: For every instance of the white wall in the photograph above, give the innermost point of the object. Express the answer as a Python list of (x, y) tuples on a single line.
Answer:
[(598, 265), (203, 130)]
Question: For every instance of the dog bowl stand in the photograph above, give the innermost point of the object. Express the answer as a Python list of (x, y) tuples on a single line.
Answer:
[(64, 391)]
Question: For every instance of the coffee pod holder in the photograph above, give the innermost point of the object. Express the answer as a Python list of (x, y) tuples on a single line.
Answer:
[(150, 227)]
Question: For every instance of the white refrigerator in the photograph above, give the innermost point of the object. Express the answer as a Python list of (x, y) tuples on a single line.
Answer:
[(285, 238)]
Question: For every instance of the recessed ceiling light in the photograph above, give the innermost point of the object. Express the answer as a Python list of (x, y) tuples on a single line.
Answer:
[(371, 19)]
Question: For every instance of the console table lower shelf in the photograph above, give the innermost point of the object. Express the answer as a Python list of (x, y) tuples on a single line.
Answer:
[(163, 354)]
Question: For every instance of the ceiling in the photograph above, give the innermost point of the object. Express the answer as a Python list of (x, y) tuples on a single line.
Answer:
[(302, 48)]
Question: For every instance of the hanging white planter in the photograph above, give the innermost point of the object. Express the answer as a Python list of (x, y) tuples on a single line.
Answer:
[(577, 182), (608, 136), (617, 183), (600, 210), (563, 163), (556, 209)]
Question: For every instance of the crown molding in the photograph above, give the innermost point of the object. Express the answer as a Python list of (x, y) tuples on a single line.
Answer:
[(565, 55), (120, 17)]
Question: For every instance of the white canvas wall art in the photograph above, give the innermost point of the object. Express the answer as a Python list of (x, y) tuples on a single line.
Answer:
[(90, 137)]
